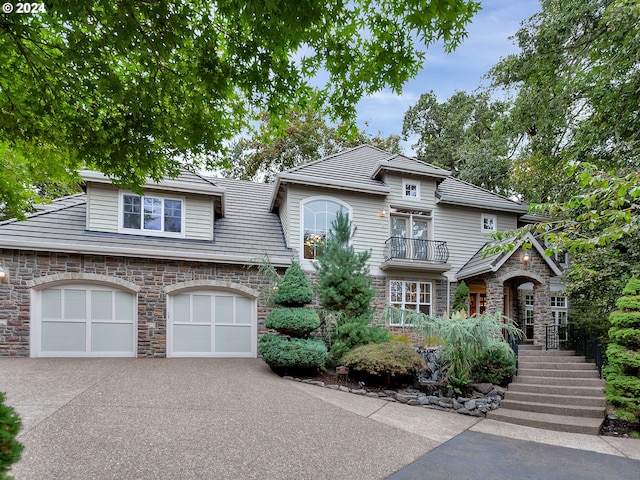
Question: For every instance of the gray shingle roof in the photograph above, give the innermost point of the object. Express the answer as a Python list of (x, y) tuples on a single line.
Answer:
[(247, 231), (479, 264), (457, 192)]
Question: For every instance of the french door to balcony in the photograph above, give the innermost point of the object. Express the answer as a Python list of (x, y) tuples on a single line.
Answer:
[(410, 227)]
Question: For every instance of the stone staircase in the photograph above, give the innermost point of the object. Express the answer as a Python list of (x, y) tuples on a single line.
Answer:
[(554, 390)]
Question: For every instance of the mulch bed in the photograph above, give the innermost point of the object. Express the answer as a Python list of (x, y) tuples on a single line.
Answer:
[(615, 427)]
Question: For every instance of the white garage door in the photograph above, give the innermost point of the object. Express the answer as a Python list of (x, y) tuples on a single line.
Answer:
[(85, 321), (211, 324)]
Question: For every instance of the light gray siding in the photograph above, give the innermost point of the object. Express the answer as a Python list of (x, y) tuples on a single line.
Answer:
[(460, 227), (199, 218), (284, 217), (103, 202), (372, 229), (427, 199), (103, 212)]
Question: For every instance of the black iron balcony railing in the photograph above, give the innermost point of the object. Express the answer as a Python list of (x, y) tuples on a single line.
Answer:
[(416, 249)]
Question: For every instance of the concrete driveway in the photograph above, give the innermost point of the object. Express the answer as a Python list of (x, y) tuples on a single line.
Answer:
[(222, 419)]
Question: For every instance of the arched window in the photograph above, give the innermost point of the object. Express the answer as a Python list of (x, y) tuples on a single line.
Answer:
[(317, 216)]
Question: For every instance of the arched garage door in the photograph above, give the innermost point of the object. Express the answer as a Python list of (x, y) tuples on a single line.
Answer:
[(208, 323), (84, 321)]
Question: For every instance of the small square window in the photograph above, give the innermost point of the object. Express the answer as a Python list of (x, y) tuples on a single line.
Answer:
[(489, 223), (411, 189)]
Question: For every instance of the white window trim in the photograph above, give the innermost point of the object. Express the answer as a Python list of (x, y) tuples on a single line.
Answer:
[(487, 216), (307, 263), (155, 233), (415, 183), (404, 282)]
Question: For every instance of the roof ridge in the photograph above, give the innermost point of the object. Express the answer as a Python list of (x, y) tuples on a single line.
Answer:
[(43, 212)]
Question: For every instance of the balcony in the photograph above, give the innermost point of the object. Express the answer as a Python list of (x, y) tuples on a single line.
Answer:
[(415, 254)]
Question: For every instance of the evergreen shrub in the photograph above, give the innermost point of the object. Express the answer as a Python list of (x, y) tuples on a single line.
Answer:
[(622, 375), (294, 290), (296, 322), (10, 448), (292, 354), (497, 365), (384, 360)]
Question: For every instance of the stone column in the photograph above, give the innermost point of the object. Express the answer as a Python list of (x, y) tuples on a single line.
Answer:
[(541, 312)]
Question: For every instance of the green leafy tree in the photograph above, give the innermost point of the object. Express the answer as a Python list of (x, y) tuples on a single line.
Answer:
[(623, 353), (575, 84), (10, 448), (462, 135), (135, 88), (306, 137)]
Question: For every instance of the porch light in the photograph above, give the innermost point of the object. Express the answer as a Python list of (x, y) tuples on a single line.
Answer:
[(526, 257), (4, 275), (383, 212)]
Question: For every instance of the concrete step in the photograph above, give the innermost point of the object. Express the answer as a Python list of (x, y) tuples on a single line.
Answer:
[(566, 373), (565, 382), (546, 365), (558, 423), (575, 390), (553, 359), (596, 400), (546, 353), (568, 410)]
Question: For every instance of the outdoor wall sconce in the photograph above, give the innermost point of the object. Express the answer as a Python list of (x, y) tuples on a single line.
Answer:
[(4, 275), (383, 212), (525, 258)]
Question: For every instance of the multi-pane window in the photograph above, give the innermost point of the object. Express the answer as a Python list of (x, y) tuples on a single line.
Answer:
[(152, 214), (318, 215), (489, 223), (411, 189), (528, 316), (409, 295), (559, 309)]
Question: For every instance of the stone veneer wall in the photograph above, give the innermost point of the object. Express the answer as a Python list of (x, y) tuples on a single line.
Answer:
[(150, 275), (513, 273)]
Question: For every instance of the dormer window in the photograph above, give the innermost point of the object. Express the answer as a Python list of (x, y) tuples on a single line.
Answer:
[(152, 215), (489, 223), (411, 189)]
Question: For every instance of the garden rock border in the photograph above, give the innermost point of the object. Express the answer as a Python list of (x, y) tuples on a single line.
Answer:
[(484, 398)]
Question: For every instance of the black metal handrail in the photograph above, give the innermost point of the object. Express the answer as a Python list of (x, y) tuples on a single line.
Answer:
[(416, 249), (567, 336)]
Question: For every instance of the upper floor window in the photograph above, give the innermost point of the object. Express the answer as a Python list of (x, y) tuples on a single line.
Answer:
[(318, 215), (152, 215), (411, 189), (489, 223)]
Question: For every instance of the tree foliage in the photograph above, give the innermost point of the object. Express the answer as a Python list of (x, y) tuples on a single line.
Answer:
[(576, 86), (307, 136), (344, 282), (134, 88), (462, 135)]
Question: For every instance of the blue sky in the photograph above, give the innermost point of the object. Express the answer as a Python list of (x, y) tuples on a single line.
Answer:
[(487, 42)]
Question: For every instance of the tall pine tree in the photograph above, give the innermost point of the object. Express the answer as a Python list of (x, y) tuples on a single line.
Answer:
[(344, 281), (345, 288)]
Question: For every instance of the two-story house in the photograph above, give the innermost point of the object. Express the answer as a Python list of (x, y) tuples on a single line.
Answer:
[(172, 272)]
